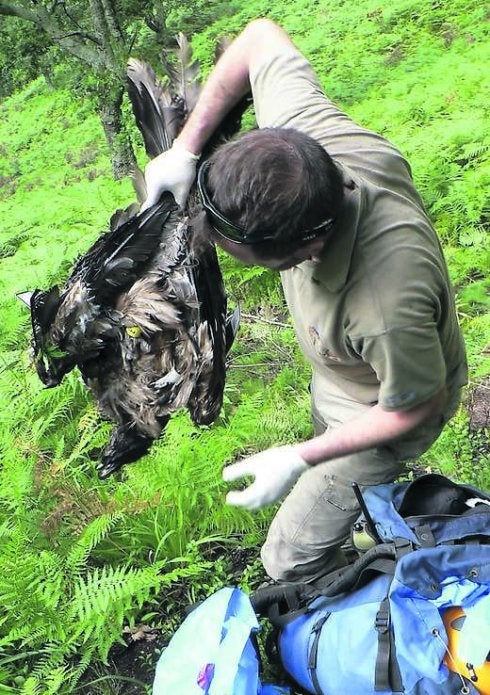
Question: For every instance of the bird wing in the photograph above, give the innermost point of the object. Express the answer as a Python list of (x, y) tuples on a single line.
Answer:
[(158, 115), (119, 256), (76, 325), (183, 73), (206, 398)]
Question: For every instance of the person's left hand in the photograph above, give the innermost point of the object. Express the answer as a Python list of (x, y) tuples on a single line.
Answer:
[(275, 471), (174, 171)]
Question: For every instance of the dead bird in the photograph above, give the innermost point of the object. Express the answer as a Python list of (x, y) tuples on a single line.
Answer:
[(143, 313), (74, 325)]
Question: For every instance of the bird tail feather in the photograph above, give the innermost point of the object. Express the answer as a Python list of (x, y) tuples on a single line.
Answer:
[(183, 73), (160, 112), (158, 117)]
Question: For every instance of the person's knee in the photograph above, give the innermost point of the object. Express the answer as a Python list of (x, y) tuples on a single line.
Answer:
[(279, 563), (272, 565), (305, 536), (311, 524)]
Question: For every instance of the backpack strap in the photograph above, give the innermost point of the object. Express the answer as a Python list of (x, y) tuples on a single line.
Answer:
[(313, 655), (387, 673), (283, 602), (380, 559)]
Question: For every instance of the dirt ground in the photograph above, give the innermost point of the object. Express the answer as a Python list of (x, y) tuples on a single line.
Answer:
[(479, 406), (136, 661)]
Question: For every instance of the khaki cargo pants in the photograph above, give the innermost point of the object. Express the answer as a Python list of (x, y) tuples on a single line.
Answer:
[(316, 517)]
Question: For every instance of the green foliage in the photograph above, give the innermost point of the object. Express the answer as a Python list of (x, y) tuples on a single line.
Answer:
[(193, 18), (249, 284), (82, 558), (23, 56), (462, 451), (57, 606)]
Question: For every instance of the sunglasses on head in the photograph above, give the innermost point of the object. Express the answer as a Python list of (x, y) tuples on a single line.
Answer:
[(233, 232)]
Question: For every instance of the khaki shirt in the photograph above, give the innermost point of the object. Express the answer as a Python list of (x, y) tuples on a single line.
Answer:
[(376, 316)]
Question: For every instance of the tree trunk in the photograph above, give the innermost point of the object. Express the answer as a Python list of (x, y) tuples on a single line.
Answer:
[(122, 153), (102, 48)]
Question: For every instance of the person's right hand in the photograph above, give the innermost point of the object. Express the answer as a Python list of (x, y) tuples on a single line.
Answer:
[(275, 471), (174, 171)]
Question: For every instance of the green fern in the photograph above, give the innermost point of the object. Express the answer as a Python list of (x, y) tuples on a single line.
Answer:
[(90, 537)]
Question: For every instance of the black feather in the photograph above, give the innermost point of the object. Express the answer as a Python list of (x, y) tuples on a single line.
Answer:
[(159, 114), (118, 257), (206, 398), (44, 306)]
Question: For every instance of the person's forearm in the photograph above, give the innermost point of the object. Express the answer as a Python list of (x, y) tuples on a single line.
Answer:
[(374, 428), (224, 88), (229, 81)]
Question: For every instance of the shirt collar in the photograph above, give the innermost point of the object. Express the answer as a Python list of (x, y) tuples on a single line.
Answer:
[(333, 268)]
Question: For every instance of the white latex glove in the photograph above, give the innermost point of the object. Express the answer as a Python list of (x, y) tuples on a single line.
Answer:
[(174, 171), (275, 471)]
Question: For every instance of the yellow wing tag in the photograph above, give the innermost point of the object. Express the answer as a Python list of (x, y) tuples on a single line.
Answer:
[(133, 331)]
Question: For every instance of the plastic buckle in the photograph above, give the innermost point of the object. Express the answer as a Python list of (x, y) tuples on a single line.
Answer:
[(403, 546), (382, 622)]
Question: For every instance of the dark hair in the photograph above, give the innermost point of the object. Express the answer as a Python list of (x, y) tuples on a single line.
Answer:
[(275, 181)]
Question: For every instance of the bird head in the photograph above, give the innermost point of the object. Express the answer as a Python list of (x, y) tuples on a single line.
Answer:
[(52, 364), (51, 361)]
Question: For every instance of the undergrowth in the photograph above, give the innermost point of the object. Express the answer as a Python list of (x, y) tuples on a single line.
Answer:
[(82, 558)]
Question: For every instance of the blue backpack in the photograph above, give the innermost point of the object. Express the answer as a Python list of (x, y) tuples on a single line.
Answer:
[(378, 625), (213, 652)]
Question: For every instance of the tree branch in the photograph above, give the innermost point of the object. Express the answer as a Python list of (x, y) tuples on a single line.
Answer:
[(11, 10), (46, 22)]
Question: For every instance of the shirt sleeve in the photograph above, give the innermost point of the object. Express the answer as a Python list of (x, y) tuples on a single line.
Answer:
[(409, 364), (286, 94)]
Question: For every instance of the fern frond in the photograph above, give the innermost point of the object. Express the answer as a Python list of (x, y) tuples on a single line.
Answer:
[(106, 596), (476, 150), (31, 686), (55, 679), (7, 528), (51, 579), (18, 635), (91, 536)]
